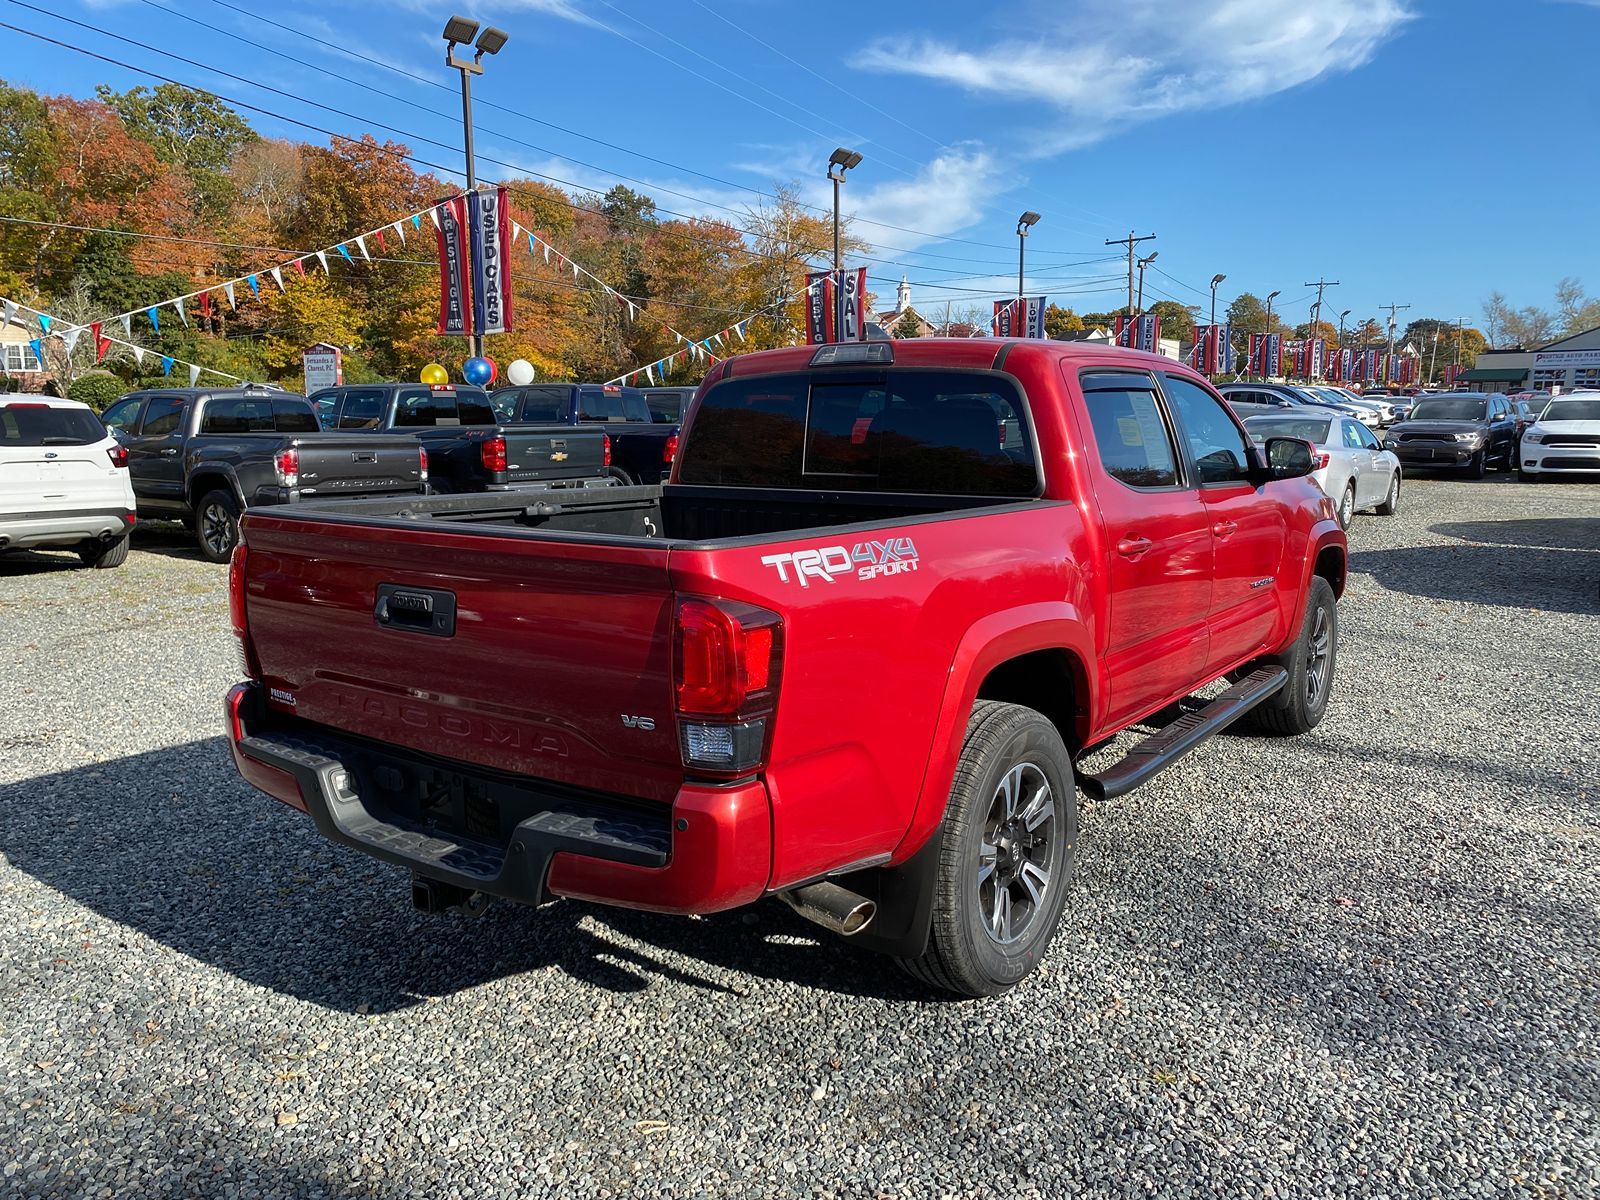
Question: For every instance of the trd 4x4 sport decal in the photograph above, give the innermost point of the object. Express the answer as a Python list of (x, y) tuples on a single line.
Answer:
[(865, 560)]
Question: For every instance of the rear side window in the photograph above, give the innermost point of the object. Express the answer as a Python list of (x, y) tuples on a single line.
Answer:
[(603, 404), (26, 425), (665, 409), (898, 431), (360, 410), (162, 416), (294, 416), (633, 406), (548, 404), (1131, 436)]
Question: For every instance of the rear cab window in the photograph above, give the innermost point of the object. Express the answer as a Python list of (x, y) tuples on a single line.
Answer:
[(612, 404), (551, 405), (920, 431), (421, 407), (33, 424)]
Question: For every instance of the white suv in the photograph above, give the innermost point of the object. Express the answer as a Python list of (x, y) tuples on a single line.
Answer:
[(63, 481)]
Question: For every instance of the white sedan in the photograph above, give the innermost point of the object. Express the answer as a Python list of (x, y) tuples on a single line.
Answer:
[(1565, 439), (63, 482), (1351, 466)]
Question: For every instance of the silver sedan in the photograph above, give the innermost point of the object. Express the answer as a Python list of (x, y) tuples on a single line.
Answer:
[(1352, 467)]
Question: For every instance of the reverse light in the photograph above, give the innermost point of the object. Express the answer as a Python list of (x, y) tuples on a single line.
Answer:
[(118, 455), (727, 660), (669, 450), (287, 464), (493, 452), (424, 466)]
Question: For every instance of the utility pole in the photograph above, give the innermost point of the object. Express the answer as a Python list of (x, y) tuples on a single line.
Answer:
[(1316, 309), (1460, 331), (1130, 242), (1393, 308)]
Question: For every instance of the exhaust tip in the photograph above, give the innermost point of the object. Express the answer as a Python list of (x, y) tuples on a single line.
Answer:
[(836, 909)]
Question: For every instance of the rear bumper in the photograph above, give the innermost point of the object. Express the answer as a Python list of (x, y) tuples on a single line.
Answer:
[(513, 837), (21, 530)]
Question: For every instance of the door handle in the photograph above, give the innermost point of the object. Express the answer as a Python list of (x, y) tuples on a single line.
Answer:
[(1224, 528), (1133, 547), (170, 450)]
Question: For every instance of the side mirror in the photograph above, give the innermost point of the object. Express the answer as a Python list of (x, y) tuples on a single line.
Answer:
[(1288, 458)]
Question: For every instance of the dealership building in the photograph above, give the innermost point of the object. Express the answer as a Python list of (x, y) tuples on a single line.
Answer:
[(1568, 364)]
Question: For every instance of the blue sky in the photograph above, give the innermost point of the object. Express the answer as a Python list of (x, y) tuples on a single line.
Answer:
[(1419, 151)]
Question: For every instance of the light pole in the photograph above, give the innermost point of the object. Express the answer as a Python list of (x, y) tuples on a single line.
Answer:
[(1215, 279), (1342, 316), (1271, 296), (459, 31), (1024, 223), (841, 161), (1143, 263)]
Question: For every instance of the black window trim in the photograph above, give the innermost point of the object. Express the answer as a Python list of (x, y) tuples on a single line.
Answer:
[(1180, 461), (1251, 461)]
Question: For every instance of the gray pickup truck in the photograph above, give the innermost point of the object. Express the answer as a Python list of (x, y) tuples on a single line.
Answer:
[(202, 456)]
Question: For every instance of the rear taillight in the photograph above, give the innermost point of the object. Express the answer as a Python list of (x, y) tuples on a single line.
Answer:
[(669, 451), (493, 452), (424, 465), (605, 451), (1318, 460), (118, 455), (287, 465), (727, 660), (236, 612)]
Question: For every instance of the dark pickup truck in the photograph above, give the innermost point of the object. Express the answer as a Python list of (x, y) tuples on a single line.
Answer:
[(203, 456), (858, 653), (468, 450), (642, 448)]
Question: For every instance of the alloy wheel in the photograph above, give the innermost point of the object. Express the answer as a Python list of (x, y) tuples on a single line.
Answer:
[(1317, 657), (1017, 858), (215, 530)]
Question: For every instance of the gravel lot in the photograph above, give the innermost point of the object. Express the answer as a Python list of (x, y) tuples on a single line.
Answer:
[(1363, 963)]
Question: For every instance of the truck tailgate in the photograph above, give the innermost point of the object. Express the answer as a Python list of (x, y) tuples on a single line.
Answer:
[(540, 455), (556, 661), (358, 465)]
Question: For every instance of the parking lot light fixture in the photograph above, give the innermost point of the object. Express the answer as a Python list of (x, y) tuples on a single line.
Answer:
[(839, 162), (1024, 223), (1215, 279), (460, 31)]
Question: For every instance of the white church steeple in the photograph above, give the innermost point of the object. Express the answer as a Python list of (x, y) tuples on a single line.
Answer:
[(902, 296)]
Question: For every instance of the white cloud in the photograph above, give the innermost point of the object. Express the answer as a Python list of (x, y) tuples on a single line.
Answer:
[(1135, 60), (946, 195)]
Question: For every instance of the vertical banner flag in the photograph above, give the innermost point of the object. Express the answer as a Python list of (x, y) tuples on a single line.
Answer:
[(1138, 333), (854, 283), (1022, 318), (1317, 351), (489, 218), (1228, 362), (455, 299), (819, 307), (1272, 362), (1255, 354)]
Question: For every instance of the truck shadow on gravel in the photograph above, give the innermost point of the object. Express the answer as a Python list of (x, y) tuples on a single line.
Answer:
[(1551, 565), (171, 844)]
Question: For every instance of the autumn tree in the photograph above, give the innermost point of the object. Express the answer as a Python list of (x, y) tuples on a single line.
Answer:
[(1059, 321)]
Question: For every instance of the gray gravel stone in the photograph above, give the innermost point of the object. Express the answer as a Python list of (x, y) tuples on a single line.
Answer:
[(1362, 963)]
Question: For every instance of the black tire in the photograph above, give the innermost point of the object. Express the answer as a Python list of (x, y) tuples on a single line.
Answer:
[(216, 527), (1299, 706), (621, 476), (1347, 507), (104, 556), (981, 945), (1391, 498), (1475, 465)]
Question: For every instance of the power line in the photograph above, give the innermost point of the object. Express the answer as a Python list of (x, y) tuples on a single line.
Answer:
[(423, 79)]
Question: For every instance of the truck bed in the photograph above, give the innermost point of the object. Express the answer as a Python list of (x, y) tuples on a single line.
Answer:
[(671, 512)]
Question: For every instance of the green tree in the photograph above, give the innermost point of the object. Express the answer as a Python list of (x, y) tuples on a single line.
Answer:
[(1059, 321), (187, 129), (1176, 320), (908, 326), (1248, 314)]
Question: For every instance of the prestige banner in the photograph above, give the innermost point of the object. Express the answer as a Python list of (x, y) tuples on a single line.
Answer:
[(455, 291), (1019, 318)]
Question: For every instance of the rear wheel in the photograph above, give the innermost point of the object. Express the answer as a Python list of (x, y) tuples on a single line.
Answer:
[(217, 525), (113, 554), (1347, 506), (1009, 844), (1303, 700), (1391, 500)]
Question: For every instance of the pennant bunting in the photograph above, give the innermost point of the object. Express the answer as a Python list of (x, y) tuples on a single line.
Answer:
[(434, 213), (277, 278), (69, 336), (255, 287), (138, 355), (37, 346), (44, 324), (127, 324), (399, 228), (11, 313), (299, 265), (227, 290), (361, 245), (155, 318), (322, 257), (182, 316), (166, 364), (344, 253), (194, 374), (416, 220), (383, 246), (205, 305)]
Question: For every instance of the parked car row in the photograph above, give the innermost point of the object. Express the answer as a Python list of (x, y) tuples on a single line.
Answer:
[(1351, 465)]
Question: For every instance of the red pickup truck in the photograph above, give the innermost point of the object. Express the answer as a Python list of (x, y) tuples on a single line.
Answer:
[(850, 655)]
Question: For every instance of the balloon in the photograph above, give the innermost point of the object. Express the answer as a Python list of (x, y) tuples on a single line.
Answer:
[(494, 370), (519, 371), (433, 374), (477, 371)]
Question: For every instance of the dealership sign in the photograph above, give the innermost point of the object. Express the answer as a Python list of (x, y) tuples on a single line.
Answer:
[(324, 366), (1567, 358)]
